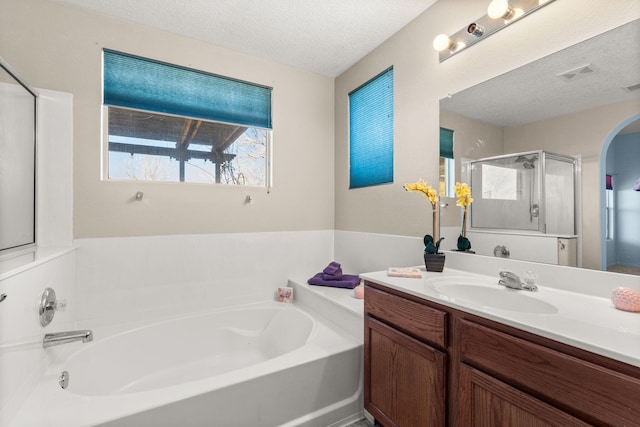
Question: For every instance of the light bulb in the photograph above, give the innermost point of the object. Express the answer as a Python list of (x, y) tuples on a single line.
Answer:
[(499, 9), (442, 42)]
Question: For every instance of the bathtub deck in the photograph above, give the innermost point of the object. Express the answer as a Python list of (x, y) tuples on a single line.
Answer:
[(340, 305)]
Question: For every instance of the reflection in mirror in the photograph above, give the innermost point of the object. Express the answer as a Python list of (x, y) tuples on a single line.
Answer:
[(17, 161), (525, 191), (575, 102)]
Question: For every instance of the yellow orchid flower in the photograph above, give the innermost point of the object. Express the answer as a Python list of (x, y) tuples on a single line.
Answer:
[(432, 196), (426, 190), (463, 193)]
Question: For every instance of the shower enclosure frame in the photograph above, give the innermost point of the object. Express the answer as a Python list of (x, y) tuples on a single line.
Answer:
[(542, 158)]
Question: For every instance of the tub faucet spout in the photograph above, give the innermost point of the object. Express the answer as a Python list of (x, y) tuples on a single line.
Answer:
[(59, 338)]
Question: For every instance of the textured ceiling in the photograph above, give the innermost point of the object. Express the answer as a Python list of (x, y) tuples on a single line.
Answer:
[(535, 91), (322, 36)]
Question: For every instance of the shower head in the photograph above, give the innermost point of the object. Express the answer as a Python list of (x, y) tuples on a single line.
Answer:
[(527, 162)]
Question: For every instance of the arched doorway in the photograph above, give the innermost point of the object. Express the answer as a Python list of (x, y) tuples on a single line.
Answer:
[(619, 203)]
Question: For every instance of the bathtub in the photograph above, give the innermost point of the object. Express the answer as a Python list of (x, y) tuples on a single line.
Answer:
[(262, 364)]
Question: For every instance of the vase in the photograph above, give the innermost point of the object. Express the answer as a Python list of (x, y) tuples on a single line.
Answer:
[(434, 262), (463, 244)]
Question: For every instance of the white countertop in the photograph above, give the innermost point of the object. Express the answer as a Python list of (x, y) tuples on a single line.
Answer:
[(585, 321)]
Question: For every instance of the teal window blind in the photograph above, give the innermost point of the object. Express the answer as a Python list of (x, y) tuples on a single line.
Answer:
[(446, 143), (143, 84), (371, 132)]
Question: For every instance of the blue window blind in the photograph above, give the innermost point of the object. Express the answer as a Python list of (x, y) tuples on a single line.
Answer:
[(371, 132), (143, 84), (446, 143)]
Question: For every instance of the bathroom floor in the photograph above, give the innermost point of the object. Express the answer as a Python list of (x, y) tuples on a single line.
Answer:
[(625, 269)]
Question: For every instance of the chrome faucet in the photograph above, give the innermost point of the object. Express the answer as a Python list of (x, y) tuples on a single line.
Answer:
[(59, 338), (512, 281)]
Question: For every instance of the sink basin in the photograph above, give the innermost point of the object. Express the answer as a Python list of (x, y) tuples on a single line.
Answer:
[(485, 294)]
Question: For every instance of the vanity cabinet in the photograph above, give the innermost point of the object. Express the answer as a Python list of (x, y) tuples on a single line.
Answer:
[(430, 365), (405, 372)]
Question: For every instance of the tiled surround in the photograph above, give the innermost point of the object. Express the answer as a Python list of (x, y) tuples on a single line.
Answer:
[(363, 252), (131, 278), (24, 275), (22, 358)]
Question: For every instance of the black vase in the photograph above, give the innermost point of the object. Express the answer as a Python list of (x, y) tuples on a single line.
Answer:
[(434, 262)]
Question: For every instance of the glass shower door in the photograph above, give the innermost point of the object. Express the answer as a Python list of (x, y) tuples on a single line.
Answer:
[(506, 192)]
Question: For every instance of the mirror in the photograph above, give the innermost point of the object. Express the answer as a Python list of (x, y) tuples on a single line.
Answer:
[(17, 161), (569, 103)]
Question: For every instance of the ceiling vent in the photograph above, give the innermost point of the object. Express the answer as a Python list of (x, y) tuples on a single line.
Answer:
[(577, 73), (631, 88)]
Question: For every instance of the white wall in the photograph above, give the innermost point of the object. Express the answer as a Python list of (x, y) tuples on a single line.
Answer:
[(420, 81), (59, 47)]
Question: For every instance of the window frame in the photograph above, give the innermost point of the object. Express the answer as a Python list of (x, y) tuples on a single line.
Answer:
[(376, 173), (259, 96)]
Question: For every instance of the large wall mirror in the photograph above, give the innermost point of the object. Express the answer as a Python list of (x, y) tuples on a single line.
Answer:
[(582, 101), (17, 161)]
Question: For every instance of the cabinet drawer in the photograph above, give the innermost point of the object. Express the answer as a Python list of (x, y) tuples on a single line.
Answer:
[(416, 319), (598, 395)]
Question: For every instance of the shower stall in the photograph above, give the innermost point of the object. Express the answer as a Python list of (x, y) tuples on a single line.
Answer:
[(525, 207), (533, 192)]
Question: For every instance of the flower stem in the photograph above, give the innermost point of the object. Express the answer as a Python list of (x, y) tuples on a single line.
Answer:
[(435, 238), (464, 222)]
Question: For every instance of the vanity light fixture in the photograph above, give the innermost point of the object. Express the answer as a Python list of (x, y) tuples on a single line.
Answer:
[(500, 13), (499, 9), (443, 42), (475, 30)]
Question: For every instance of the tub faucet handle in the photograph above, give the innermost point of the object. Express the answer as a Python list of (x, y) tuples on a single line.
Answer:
[(61, 305), (49, 305)]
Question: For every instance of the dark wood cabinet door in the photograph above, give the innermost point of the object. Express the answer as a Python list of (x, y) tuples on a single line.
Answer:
[(492, 403), (404, 378)]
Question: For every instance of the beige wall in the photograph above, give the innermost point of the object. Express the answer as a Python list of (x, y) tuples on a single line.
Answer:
[(55, 46), (58, 47), (472, 139), (420, 81)]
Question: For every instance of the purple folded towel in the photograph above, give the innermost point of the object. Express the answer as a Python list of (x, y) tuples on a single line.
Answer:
[(337, 276), (348, 281), (333, 270)]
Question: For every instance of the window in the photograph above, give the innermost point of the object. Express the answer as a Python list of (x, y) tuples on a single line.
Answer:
[(499, 182), (371, 132), (169, 123), (447, 163), (609, 208)]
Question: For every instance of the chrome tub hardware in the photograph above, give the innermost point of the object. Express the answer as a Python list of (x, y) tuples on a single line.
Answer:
[(63, 379), (501, 251), (49, 305), (512, 281), (59, 338)]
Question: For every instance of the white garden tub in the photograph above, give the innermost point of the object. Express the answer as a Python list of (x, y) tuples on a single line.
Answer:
[(266, 364)]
